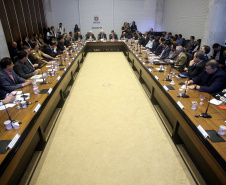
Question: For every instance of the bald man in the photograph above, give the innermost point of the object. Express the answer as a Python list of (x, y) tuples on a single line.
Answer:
[(102, 35), (90, 36)]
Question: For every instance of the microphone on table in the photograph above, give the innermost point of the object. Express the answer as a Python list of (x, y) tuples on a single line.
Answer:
[(44, 82), (206, 115), (184, 95), (24, 96), (168, 77)]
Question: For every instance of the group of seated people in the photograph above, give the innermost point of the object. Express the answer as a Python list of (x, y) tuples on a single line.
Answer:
[(24, 62)]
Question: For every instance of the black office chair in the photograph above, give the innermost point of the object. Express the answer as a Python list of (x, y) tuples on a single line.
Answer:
[(189, 58), (15, 58)]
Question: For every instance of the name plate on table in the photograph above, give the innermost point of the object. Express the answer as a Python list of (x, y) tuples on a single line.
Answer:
[(69, 63), (180, 105), (166, 88), (58, 78), (65, 69), (50, 90), (157, 78), (150, 70), (37, 108), (203, 132)]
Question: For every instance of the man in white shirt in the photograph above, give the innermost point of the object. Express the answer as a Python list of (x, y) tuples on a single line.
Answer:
[(61, 29), (149, 45)]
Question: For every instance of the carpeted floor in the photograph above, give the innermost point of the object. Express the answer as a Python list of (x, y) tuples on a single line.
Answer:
[(108, 133)]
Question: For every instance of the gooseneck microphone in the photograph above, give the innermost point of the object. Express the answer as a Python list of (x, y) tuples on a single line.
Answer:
[(206, 115), (43, 82), (184, 95), (168, 77)]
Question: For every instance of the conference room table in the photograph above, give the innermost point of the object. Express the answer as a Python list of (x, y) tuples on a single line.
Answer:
[(181, 122)]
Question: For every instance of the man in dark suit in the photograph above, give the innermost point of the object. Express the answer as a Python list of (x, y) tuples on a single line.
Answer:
[(190, 44), (212, 80), (197, 65), (78, 36), (158, 50), (124, 36), (102, 35), (60, 45), (218, 52), (113, 36), (13, 50), (90, 36), (23, 68), (9, 80), (206, 50), (45, 29), (141, 39), (51, 49), (166, 49), (173, 54)]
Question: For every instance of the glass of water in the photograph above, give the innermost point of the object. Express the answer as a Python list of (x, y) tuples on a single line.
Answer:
[(202, 97)]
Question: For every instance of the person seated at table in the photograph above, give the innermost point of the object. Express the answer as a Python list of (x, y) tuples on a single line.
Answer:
[(26, 42), (165, 50), (151, 32), (67, 42), (218, 52), (190, 44), (23, 68), (51, 49), (158, 50), (78, 36), (90, 36), (28, 50), (150, 43), (13, 50), (41, 40), (37, 55), (164, 34), (124, 36), (35, 36), (113, 36), (181, 59), (9, 80), (146, 37), (173, 54), (222, 61), (71, 37), (133, 36), (211, 80), (196, 66), (206, 50), (60, 45), (179, 40), (141, 39), (196, 47), (4, 98), (101, 35)]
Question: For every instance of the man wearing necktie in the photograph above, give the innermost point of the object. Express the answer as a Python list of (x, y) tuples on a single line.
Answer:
[(23, 68)]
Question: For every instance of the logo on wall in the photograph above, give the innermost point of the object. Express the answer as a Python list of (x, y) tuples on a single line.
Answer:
[(96, 20)]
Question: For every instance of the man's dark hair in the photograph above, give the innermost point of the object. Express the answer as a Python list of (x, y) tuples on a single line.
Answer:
[(5, 62), (25, 47), (200, 55), (180, 35), (207, 49), (113, 31), (22, 54), (193, 37), (175, 45), (169, 33), (216, 45), (60, 37), (152, 37), (213, 64), (52, 43), (199, 40), (33, 44), (52, 27), (162, 39)]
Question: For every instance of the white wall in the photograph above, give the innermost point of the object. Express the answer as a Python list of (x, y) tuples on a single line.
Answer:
[(186, 17), (112, 14)]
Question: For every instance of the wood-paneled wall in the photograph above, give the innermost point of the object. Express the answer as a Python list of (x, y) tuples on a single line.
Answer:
[(21, 18)]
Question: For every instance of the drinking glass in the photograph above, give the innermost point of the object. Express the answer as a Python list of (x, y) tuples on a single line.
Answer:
[(202, 97)]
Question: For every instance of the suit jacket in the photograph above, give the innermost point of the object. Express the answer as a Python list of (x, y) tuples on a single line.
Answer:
[(7, 84), (2, 94), (196, 70), (104, 35), (189, 45), (13, 52), (88, 36), (142, 41), (76, 37), (211, 83), (172, 55), (22, 70), (45, 30), (49, 51), (60, 46), (180, 61), (115, 36), (221, 53), (67, 42), (126, 36), (165, 53), (158, 50)]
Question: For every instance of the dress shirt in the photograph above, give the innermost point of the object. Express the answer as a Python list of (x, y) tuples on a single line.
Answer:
[(150, 44), (179, 41), (10, 74), (217, 57)]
